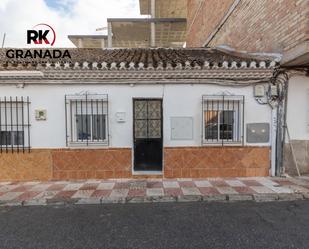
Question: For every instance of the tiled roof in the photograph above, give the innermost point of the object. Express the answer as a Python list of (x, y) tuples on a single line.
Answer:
[(140, 59)]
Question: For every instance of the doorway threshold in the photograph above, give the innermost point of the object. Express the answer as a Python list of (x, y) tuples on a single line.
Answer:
[(146, 172)]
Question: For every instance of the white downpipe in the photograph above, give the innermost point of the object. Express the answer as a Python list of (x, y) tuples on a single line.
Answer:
[(80, 43), (274, 117), (110, 35), (152, 24)]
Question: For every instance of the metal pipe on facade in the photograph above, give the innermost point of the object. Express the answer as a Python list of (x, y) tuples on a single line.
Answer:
[(152, 24), (110, 35), (3, 41)]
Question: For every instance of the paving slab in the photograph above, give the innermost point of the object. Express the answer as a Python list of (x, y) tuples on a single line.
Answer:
[(260, 189)]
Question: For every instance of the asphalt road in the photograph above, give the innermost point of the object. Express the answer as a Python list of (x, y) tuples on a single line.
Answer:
[(163, 225)]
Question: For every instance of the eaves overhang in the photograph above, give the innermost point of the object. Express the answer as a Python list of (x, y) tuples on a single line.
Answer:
[(137, 66), (297, 56)]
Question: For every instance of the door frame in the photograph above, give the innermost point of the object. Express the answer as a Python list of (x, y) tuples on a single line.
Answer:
[(141, 172)]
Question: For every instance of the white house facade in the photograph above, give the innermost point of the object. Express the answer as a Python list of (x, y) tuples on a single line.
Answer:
[(126, 113)]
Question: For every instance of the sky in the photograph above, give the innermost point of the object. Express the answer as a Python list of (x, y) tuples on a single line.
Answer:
[(67, 17)]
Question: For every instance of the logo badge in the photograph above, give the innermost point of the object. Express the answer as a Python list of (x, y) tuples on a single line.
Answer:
[(41, 33)]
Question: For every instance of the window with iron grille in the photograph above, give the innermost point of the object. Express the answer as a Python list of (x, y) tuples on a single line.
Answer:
[(223, 117), (14, 124), (86, 119)]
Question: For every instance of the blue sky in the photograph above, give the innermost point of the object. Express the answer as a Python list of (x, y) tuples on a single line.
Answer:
[(60, 5), (53, 3), (67, 17)]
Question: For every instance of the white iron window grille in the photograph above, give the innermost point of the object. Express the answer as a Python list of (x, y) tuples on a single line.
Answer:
[(86, 118), (14, 124), (223, 119)]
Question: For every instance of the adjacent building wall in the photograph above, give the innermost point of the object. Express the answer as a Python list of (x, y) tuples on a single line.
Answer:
[(203, 16), (51, 159), (266, 25), (298, 125)]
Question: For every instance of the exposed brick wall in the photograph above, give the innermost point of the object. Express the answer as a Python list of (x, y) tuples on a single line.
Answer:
[(200, 162), (264, 25), (203, 17)]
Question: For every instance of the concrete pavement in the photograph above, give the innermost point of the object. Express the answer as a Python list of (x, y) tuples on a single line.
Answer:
[(259, 189)]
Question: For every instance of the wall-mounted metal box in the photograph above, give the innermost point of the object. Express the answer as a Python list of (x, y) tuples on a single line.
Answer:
[(181, 128), (259, 91), (258, 133), (120, 117)]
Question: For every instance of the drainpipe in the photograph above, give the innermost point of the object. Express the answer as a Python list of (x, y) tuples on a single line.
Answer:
[(283, 83), (80, 43), (279, 112), (152, 24), (103, 43), (274, 125), (110, 35)]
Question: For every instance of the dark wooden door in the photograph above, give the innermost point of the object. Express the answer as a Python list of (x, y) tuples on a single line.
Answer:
[(148, 134)]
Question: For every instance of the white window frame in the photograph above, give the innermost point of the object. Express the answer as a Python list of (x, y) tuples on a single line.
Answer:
[(221, 103), (90, 105), (75, 135), (15, 118)]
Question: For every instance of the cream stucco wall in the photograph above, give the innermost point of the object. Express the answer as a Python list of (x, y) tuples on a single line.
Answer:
[(178, 100), (298, 108)]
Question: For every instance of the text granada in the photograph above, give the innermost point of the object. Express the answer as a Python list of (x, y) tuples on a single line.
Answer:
[(37, 53)]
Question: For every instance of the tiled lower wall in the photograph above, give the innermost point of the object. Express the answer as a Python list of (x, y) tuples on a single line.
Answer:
[(36, 165), (92, 164), (192, 162), (202, 162)]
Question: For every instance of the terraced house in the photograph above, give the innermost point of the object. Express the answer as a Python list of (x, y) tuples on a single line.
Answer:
[(137, 110), (280, 27)]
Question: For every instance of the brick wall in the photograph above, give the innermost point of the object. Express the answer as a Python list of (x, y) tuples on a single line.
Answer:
[(200, 162), (264, 25), (203, 16)]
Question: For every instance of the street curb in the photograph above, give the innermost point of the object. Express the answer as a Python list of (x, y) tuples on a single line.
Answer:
[(11, 204), (161, 199), (290, 197), (35, 202), (189, 198), (88, 201), (306, 195), (215, 198), (265, 197), (60, 201), (113, 200), (240, 197)]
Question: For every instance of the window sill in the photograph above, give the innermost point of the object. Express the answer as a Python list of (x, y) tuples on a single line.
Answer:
[(89, 145), (223, 145)]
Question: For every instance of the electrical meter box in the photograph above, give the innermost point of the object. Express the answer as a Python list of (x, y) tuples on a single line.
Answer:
[(259, 91)]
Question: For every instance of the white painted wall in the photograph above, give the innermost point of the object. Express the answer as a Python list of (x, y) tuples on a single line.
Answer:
[(178, 100), (298, 108)]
